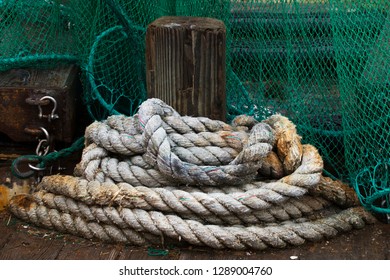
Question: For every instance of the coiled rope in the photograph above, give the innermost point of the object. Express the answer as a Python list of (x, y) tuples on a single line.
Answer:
[(161, 177)]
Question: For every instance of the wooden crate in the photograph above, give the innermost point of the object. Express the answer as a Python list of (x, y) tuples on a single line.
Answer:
[(20, 89)]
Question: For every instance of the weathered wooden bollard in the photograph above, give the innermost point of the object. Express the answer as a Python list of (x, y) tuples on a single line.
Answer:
[(185, 65)]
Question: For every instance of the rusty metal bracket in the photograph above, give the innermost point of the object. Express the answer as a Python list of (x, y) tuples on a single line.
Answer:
[(33, 131), (37, 101)]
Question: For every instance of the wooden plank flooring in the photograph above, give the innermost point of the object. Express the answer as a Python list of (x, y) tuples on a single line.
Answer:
[(22, 241)]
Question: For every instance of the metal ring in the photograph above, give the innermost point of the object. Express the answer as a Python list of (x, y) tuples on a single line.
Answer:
[(47, 135), (38, 149), (36, 168), (15, 166)]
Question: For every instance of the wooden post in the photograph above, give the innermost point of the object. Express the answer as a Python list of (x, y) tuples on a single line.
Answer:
[(185, 62)]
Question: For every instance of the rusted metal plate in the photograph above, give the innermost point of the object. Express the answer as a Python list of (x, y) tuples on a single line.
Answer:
[(20, 94)]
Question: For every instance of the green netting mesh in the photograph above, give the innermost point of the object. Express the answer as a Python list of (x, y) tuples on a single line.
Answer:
[(34, 33), (323, 63)]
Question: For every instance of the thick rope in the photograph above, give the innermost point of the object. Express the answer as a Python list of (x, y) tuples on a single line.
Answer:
[(243, 168), (130, 223), (293, 209), (213, 170), (96, 164), (159, 176), (267, 204), (126, 143)]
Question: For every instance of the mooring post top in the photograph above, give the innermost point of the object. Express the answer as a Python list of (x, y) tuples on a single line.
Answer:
[(198, 23), (185, 64)]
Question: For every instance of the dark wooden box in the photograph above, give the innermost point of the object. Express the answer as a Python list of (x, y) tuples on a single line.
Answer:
[(21, 91)]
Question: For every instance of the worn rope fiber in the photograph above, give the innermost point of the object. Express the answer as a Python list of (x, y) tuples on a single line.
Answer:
[(129, 223), (161, 177), (96, 164), (250, 207)]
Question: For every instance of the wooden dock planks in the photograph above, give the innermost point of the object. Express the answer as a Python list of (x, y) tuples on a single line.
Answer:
[(21, 241)]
